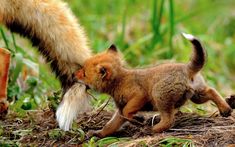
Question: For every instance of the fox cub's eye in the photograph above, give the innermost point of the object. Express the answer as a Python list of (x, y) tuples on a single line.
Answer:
[(103, 72)]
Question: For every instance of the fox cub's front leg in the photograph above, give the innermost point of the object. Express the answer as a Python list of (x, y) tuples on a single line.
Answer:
[(114, 124), (133, 105)]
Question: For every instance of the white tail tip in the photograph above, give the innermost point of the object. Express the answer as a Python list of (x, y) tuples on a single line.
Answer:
[(188, 36), (75, 101)]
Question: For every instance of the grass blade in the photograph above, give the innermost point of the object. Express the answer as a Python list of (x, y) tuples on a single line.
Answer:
[(172, 25), (18, 67), (5, 38), (156, 22), (14, 41), (122, 35)]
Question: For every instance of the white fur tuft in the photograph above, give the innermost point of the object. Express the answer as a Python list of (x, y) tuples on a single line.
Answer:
[(188, 36), (75, 101)]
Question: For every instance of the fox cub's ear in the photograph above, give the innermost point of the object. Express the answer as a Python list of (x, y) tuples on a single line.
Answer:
[(105, 72), (112, 48)]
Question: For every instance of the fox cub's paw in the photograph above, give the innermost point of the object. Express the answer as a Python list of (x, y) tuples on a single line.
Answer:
[(96, 133), (227, 112)]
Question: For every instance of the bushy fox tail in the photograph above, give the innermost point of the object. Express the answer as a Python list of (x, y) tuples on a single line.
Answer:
[(198, 57), (54, 30)]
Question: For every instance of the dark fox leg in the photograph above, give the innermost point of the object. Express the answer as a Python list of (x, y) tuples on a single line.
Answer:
[(209, 93)]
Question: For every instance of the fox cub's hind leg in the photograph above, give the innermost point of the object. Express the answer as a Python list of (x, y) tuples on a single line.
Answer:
[(209, 93), (167, 120), (204, 93)]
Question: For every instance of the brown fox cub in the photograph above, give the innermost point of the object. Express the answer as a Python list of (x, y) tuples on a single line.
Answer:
[(166, 86)]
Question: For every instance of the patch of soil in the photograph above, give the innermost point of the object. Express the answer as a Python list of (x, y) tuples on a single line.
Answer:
[(204, 131), (41, 129)]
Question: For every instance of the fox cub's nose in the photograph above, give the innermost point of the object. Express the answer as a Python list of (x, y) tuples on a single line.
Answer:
[(79, 74)]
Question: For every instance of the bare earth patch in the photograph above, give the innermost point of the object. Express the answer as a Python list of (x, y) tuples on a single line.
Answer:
[(40, 128)]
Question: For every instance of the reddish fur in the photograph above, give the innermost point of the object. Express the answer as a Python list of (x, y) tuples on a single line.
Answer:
[(4, 66), (55, 31), (166, 87)]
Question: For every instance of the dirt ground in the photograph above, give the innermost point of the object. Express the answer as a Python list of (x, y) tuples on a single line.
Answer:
[(41, 129)]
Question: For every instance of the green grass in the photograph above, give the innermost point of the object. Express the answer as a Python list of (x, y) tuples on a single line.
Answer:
[(173, 141), (107, 141)]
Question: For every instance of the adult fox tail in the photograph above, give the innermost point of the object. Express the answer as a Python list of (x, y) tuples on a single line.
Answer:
[(54, 30)]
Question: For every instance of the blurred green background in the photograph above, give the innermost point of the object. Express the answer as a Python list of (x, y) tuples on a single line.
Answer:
[(146, 32)]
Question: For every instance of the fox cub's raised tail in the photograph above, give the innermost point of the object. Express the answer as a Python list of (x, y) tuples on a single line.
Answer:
[(198, 57)]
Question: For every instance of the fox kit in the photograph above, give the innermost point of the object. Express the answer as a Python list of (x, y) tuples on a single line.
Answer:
[(166, 87), (54, 30)]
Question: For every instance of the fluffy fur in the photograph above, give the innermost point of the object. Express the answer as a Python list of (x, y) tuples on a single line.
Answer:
[(51, 27), (71, 108), (4, 67), (165, 87)]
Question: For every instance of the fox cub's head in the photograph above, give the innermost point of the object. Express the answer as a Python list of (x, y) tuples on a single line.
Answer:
[(101, 69)]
